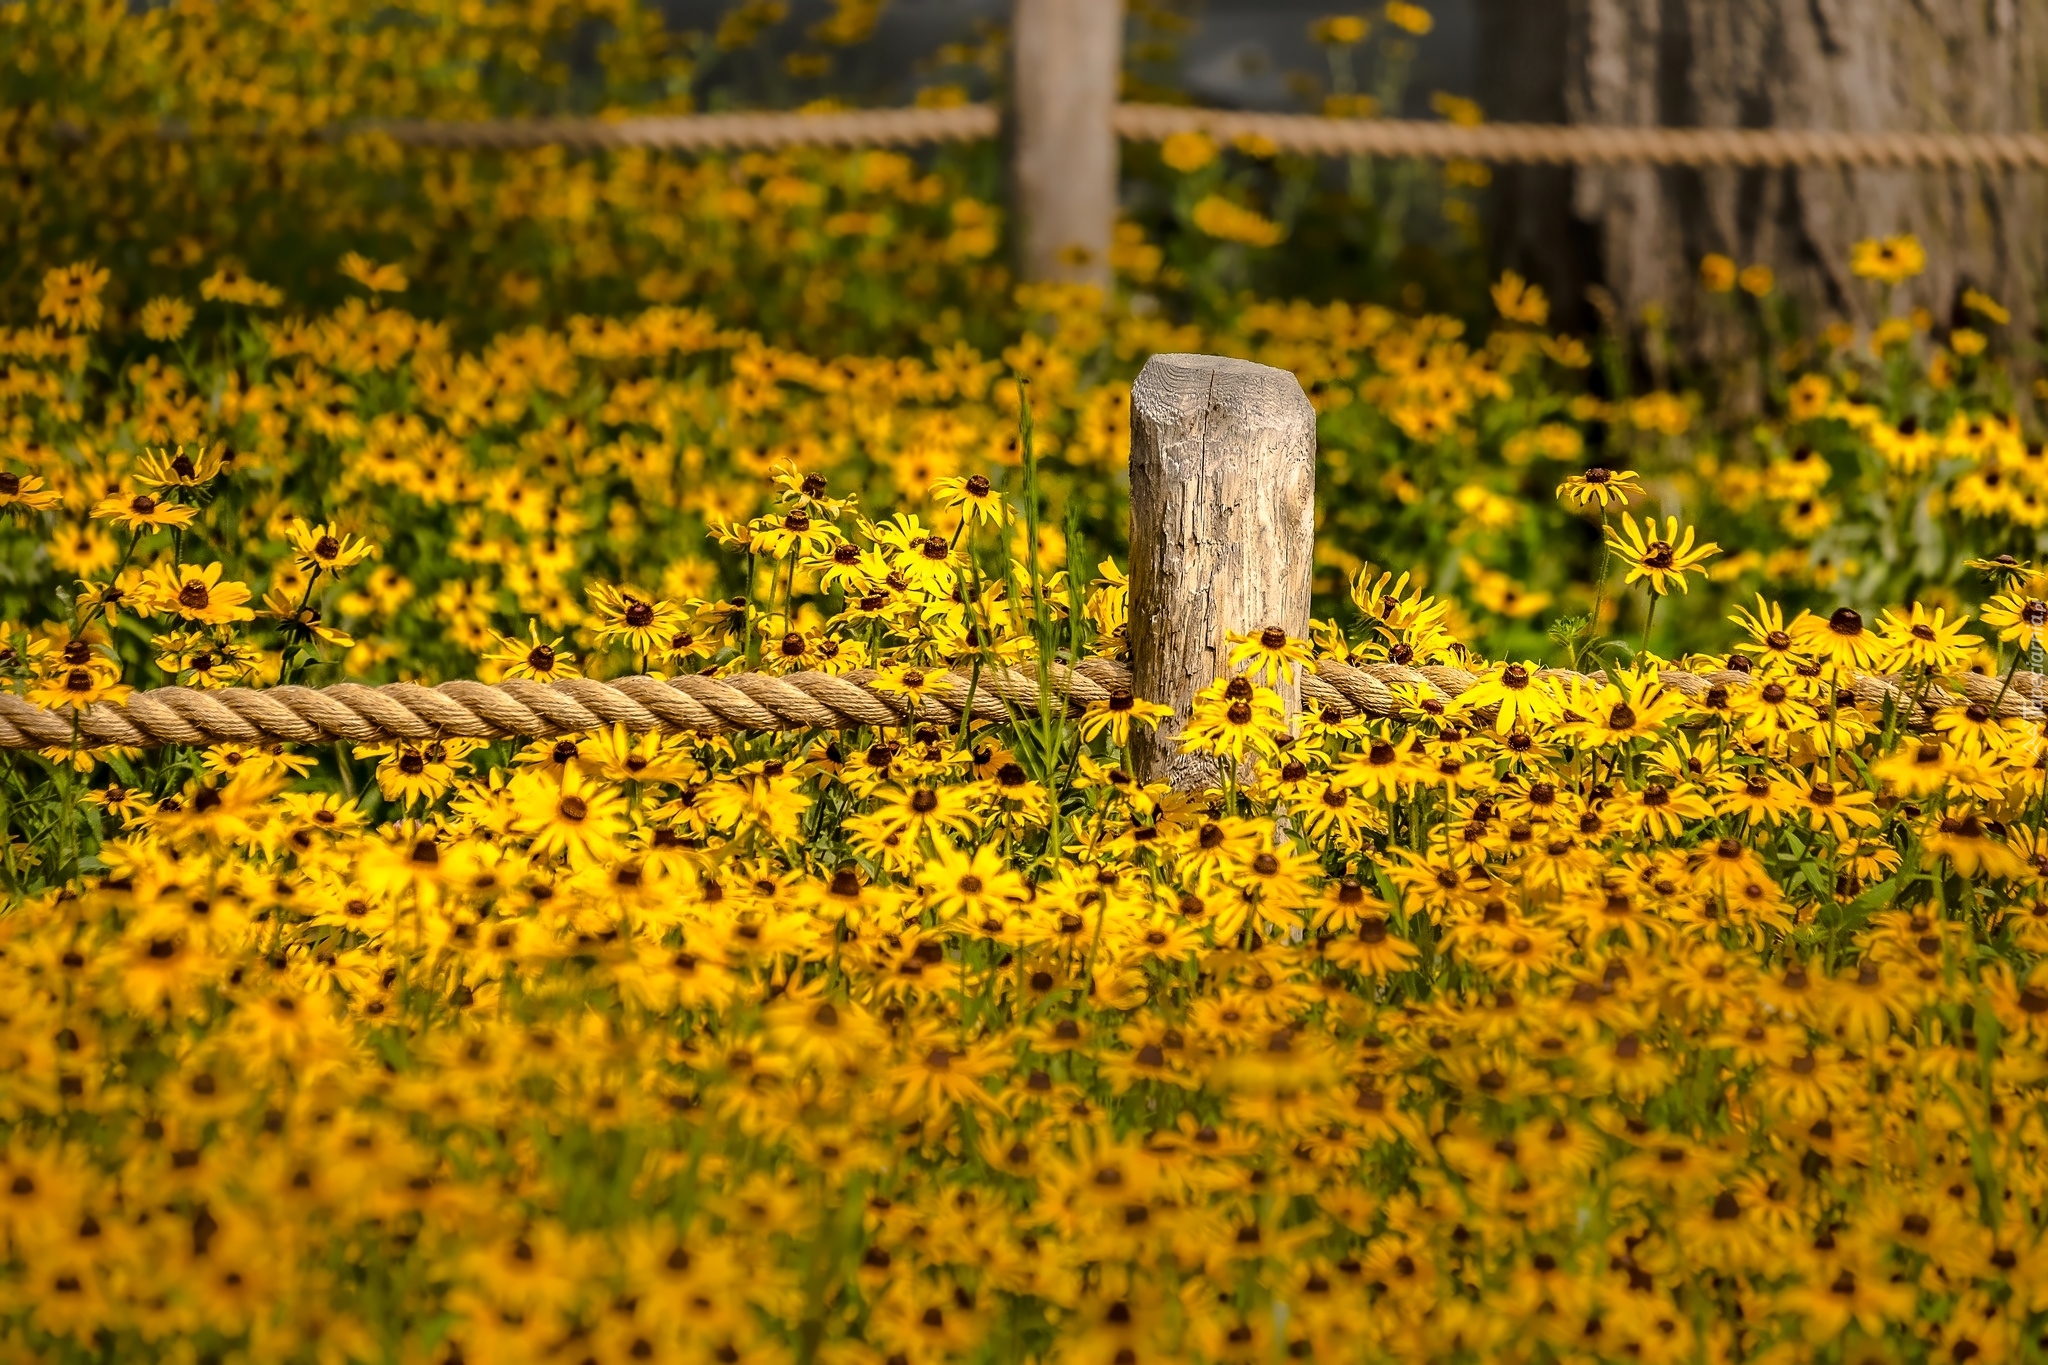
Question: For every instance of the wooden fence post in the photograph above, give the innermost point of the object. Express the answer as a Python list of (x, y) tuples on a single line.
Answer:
[(1223, 527), (1066, 66)]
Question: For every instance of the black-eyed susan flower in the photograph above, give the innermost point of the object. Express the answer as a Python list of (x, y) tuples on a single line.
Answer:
[(1924, 640), (71, 296), (973, 496), (1888, 260), (25, 493), (166, 318), (1269, 656), (141, 512), (1114, 715), (540, 660), (196, 593), (179, 468), (1600, 487), (642, 624), (576, 818), (1660, 559), (1232, 718), (326, 549)]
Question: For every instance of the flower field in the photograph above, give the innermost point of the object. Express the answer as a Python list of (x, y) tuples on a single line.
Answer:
[(1653, 973)]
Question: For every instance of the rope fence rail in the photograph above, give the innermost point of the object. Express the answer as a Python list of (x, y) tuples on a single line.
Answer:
[(1297, 134), (1290, 134), (761, 703), (1223, 534)]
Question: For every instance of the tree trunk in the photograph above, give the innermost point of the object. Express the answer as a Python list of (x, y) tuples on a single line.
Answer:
[(1523, 48), (1907, 65)]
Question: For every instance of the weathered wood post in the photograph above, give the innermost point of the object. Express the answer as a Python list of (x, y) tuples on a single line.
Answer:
[(1067, 64), (1223, 527)]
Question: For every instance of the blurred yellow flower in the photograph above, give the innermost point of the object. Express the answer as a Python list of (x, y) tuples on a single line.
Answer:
[(165, 318), (1189, 151), (1409, 18), (1340, 30), (1890, 260), (1226, 221), (71, 296), (378, 279)]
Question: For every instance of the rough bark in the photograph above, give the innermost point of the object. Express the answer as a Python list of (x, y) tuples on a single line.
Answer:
[(1523, 46), (1915, 65), (1067, 64), (1223, 491)]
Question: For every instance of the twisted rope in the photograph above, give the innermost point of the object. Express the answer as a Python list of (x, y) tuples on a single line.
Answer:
[(1588, 144), (760, 702), (707, 132), (1300, 134)]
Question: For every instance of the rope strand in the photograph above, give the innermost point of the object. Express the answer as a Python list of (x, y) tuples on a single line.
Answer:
[(762, 703), (1299, 134)]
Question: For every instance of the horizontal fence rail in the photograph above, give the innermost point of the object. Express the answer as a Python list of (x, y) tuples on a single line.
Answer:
[(764, 703), (1297, 134), (708, 132)]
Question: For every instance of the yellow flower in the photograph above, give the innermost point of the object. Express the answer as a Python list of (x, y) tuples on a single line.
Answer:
[(1466, 113), (1229, 222), (71, 296), (1340, 30), (1188, 151), (1519, 301), (1757, 280), (1270, 656), (413, 772), (325, 548), (26, 492), (1923, 639), (1717, 273), (1602, 488), (1233, 718), (1409, 18), (1115, 714), (1841, 638), (165, 318), (1808, 397), (626, 617), (534, 659), (973, 495), (79, 685), (177, 469), (2020, 621), (1521, 698), (1986, 307), (575, 817), (1663, 559), (299, 618), (378, 279), (193, 593), (1892, 260)]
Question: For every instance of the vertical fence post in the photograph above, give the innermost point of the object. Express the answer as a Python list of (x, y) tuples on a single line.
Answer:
[(1066, 65), (1223, 528)]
